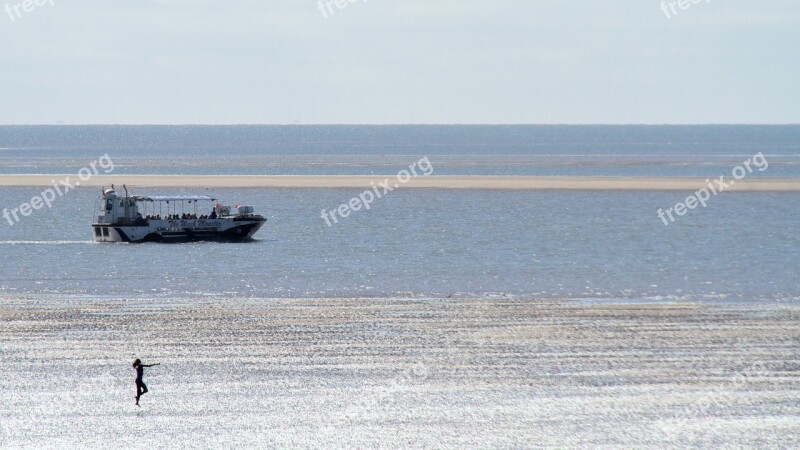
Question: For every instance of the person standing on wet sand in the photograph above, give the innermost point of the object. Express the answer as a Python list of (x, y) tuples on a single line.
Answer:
[(141, 388)]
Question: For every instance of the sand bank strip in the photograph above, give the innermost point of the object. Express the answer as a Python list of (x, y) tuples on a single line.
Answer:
[(429, 182)]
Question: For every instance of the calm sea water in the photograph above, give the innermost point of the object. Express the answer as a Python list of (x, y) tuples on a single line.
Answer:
[(595, 245), (433, 243), (455, 150)]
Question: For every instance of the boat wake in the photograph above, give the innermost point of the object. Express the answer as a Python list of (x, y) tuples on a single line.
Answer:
[(44, 242)]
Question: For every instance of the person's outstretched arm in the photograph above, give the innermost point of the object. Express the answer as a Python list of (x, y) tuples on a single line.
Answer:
[(151, 365)]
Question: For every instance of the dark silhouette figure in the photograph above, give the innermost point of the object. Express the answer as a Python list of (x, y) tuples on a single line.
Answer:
[(141, 388)]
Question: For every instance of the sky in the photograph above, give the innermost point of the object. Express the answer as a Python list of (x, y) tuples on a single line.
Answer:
[(399, 61)]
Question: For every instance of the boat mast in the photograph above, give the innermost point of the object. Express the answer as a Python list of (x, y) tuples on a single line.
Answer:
[(126, 202)]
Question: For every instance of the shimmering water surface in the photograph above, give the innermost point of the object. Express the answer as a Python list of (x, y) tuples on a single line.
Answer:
[(396, 373), (455, 150), (420, 242), (436, 319), (430, 242)]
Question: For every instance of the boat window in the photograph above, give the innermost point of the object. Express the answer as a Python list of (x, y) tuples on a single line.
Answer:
[(97, 231)]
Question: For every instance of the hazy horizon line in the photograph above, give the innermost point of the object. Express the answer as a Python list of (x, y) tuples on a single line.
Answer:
[(397, 124)]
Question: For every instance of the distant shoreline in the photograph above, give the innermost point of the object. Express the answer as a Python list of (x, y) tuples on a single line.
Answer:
[(429, 182)]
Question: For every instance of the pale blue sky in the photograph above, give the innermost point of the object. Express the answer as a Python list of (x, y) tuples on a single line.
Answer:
[(400, 61)]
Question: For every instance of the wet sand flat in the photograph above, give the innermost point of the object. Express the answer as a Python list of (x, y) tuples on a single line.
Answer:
[(381, 372), (428, 182)]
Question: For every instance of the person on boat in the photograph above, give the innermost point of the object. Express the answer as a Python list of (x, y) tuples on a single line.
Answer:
[(141, 388), (213, 214)]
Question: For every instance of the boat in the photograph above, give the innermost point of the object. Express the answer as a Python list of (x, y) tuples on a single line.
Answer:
[(171, 218)]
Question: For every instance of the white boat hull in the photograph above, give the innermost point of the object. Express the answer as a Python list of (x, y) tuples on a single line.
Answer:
[(222, 230)]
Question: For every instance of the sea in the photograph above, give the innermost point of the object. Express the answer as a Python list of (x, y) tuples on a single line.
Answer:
[(581, 245), (438, 318)]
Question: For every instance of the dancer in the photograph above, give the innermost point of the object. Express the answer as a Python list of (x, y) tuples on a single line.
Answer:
[(141, 388)]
